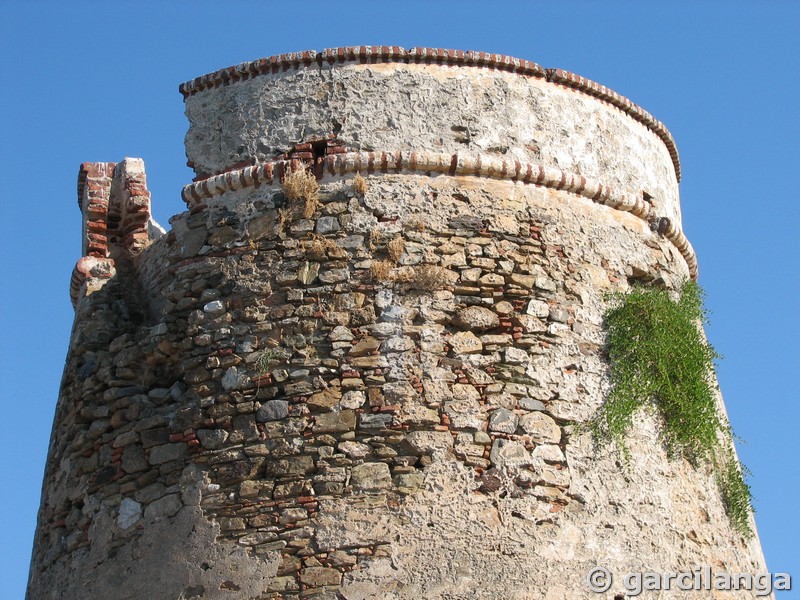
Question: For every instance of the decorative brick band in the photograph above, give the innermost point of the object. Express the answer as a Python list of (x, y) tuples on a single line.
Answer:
[(456, 58), (450, 164)]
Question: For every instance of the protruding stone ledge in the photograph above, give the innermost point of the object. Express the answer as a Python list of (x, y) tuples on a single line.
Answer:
[(449, 164), (438, 56), (89, 275)]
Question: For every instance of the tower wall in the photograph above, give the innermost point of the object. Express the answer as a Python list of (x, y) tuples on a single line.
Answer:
[(378, 394)]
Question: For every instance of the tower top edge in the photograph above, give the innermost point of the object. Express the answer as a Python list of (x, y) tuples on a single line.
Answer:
[(365, 55)]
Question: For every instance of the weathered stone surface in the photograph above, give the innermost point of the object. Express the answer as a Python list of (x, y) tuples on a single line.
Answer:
[(163, 507), (320, 576), (234, 379), (503, 420), (327, 225), (213, 439), (344, 420), (365, 346), (542, 428), (354, 449), (465, 342), (166, 453), (214, 309), (537, 308), (369, 421), (476, 318), (371, 477), (323, 401), (133, 459), (509, 453), (426, 442)]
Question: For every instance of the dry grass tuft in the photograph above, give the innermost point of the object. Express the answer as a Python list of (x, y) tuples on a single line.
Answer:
[(318, 247), (395, 248), (381, 270), (360, 185), (429, 278), (302, 186), (372, 242)]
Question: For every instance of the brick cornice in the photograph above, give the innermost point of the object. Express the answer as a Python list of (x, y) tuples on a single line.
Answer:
[(422, 163), (439, 56)]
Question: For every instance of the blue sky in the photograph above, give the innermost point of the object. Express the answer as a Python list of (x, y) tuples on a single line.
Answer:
[(90, 81)]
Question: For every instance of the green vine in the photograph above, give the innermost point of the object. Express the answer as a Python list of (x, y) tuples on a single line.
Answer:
[(659, 357)]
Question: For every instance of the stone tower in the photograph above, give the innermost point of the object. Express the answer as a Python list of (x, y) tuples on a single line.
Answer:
[(366, 383)]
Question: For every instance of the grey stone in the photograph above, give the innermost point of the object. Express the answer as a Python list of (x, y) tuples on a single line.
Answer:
[(509, 453), (355, 450), (264, 225), (166, 453), (159, 395), (212, 439), (397, 344), (408, 483), (327, 225), (503, 420), (353, 399), (190, 244), (516, 356), (222, 236), (234, 379), (374, 420), (481, 437), (334, 275), (531, 404), (133, 459), (274, 410), (214, 308), (340, 334), (130, 512), (163, 507)]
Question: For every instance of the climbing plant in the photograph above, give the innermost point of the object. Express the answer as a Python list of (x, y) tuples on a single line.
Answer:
[(659, 357)]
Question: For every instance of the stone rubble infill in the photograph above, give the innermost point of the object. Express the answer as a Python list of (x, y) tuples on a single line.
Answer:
[(351, 419)]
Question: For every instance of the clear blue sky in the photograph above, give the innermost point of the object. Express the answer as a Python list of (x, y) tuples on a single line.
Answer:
[(88, 81)]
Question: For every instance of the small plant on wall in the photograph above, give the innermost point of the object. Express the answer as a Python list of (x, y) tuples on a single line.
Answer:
[(659, 357), (302, 191)]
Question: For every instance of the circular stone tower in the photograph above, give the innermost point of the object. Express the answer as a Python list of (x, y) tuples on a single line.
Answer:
[(355, 366)]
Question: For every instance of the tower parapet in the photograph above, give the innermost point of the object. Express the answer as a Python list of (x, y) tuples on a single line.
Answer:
[(357, 365)]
